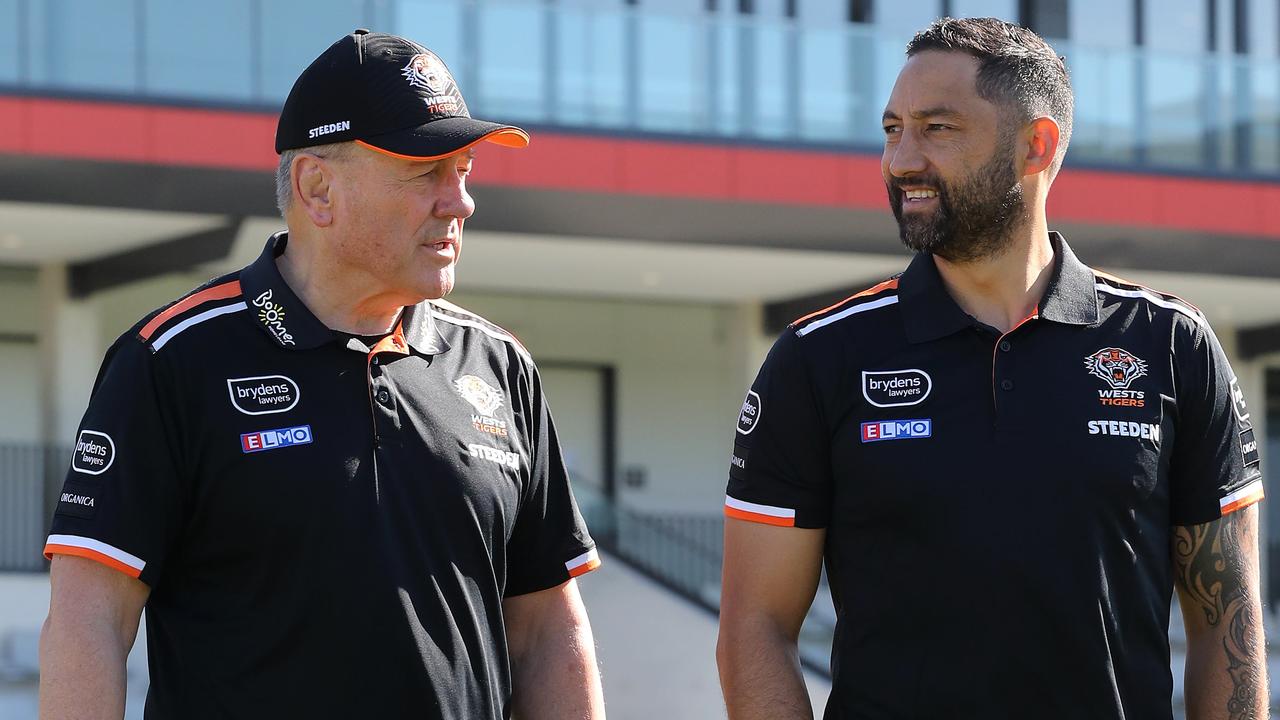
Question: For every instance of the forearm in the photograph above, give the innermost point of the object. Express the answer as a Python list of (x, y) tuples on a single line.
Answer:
[(1218, 586), (760, 672), (558, 679), (1226, 668), (82, 672)]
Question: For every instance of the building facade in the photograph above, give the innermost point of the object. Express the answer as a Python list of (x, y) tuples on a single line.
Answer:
[(701, 172)]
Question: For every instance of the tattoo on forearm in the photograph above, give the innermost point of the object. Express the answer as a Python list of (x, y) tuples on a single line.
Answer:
[(1210, 563)]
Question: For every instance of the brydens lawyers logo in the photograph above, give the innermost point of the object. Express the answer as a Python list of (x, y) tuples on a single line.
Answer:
[(263, 394), (275, 439), (750, 415), (896, 430), (94, 453), (895, 388)]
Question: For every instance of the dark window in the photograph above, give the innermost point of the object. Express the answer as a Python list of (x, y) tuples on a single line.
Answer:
[(1211, 26), (1240, 14), (790, 8), (860, 11), (746, 7), (1047, 17), (1138, 22)]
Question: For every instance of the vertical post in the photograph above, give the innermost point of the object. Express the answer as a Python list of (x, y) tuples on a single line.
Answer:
[(631, 63), (1141, 126), (793, 119), (24, 42), (255, 50), (140, 46), (745, 69), (551, 63), (1243, 121), (711, 48), (471, 53), (609, 431)]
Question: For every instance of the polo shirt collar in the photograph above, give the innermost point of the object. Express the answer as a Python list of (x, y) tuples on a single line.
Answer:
[(278, 312), (929, 312), (1072, 295)]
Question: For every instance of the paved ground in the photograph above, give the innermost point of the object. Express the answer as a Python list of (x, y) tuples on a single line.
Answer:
[(656, 651)]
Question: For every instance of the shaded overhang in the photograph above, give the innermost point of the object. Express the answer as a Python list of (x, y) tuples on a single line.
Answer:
[(201, 172)]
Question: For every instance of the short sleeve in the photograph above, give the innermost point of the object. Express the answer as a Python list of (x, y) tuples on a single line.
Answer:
[(780, 470), (550, 543), (121, 502), (1215, 467)]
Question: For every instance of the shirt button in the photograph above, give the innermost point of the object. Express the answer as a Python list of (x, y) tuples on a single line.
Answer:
[(1005, 346), (384, 397), (1006, 384), (374, 361)]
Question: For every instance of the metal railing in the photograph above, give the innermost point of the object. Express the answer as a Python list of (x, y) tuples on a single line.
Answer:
[(30, 478), (683, 552)]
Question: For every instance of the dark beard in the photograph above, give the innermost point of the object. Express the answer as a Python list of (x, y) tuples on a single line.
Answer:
[(976, 217)]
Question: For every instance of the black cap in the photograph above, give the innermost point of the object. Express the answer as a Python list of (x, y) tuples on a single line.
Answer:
[(388, 94)]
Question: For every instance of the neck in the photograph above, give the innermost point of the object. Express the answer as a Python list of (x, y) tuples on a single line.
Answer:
[(1005, 289), (339, 297)]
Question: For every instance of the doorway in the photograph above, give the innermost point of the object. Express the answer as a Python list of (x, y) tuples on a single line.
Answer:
[(581, 398)]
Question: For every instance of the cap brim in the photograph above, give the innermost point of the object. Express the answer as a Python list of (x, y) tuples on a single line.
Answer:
[(444, 137)]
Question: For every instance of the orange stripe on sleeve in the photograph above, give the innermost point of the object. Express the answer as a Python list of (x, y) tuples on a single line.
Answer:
[(217, 292), (1243, 502), (585, 568), (759, 517), (890, 284), (51, 549)]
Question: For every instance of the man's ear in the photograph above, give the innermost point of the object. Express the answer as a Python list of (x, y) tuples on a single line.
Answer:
[(312, 187), (1042, 137)]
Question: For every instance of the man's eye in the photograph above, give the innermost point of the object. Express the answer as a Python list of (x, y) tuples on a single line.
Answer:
[(891, 129), (939, 126)]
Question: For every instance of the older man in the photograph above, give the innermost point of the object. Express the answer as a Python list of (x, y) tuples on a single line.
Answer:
[(335, 494)]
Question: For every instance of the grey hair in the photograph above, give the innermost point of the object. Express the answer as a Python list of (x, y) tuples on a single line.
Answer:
[(284, 170)]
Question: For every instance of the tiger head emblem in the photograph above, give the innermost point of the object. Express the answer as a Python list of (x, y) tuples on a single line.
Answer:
[(485, 398), (428, 72), (1116, 366)]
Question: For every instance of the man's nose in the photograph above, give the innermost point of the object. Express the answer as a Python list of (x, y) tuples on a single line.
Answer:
[(455, 201), (905, 157)]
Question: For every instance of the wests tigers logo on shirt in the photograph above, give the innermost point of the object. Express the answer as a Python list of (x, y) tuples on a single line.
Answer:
[(1117, 366)]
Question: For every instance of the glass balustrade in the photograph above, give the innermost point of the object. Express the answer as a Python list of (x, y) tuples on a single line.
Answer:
[(581, 65)]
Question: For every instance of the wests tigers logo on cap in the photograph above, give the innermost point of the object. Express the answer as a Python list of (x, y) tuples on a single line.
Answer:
[(428, 72), (1118, 367)]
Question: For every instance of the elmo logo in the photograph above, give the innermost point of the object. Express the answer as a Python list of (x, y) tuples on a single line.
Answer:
[(1118, 367)]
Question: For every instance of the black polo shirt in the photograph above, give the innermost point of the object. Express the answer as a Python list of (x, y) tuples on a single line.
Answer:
[(328, 529), (998, 507)]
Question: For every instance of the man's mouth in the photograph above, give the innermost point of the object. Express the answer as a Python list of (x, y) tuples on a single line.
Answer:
[(918, 197)]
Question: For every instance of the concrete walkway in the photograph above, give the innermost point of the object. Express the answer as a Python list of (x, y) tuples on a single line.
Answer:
[(656, 650)]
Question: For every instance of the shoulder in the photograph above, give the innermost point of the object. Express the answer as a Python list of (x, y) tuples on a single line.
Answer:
[(459, 324), (1117, 291), (189, 314), (856, 308)]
